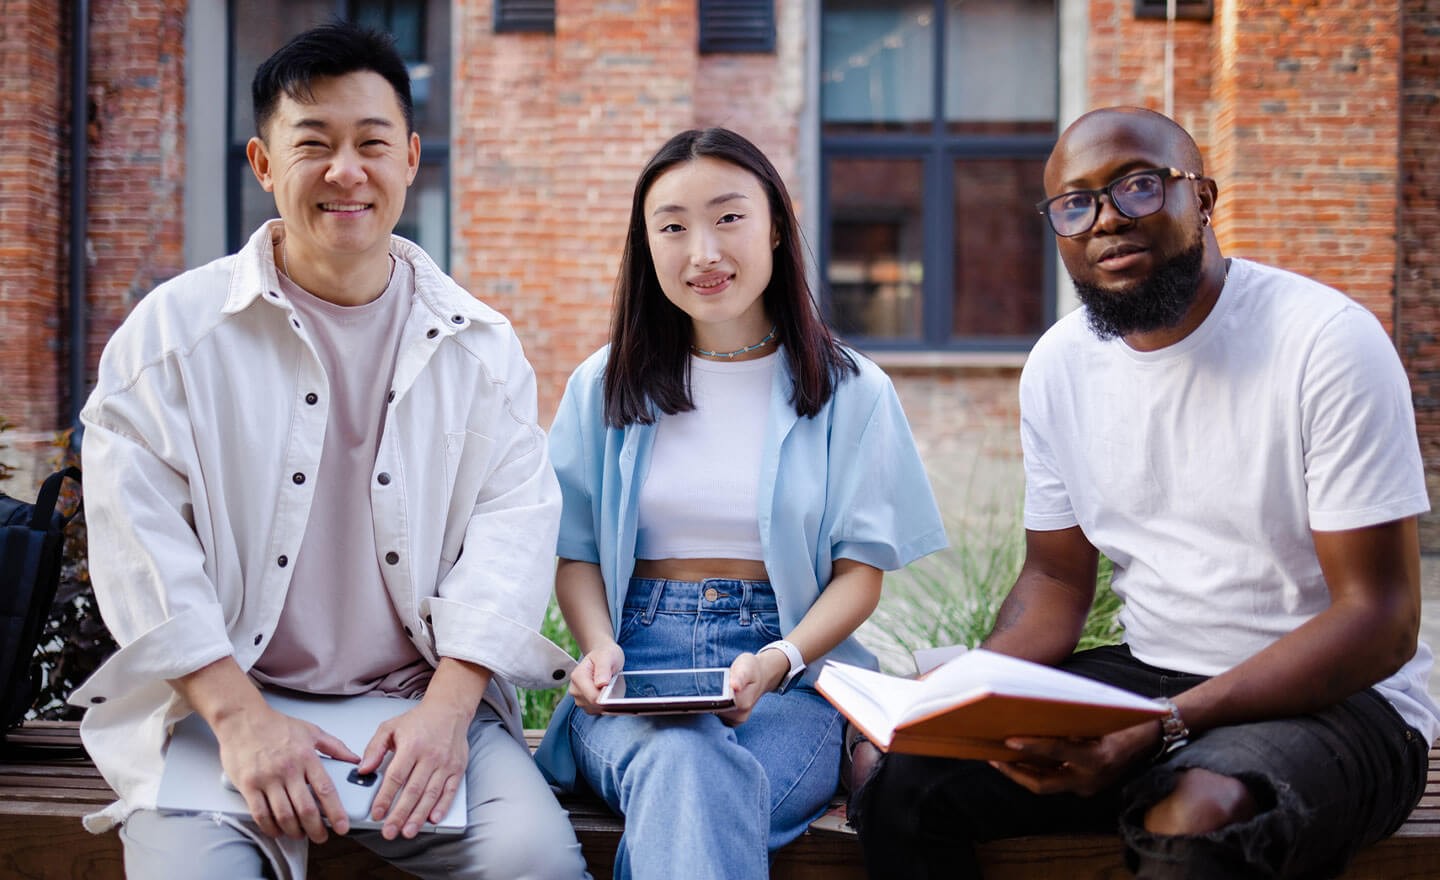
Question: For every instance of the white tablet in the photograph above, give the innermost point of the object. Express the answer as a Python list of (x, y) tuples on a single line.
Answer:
[(667, 691)]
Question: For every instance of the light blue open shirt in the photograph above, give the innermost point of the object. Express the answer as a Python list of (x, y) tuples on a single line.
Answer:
[(847, 483)]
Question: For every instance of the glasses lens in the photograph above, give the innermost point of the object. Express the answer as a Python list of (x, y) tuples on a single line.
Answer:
[(1139, 195), (1072, 214)]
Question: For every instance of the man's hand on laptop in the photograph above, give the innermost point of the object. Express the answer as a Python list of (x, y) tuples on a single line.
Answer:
[(271, 759), (432, 749)]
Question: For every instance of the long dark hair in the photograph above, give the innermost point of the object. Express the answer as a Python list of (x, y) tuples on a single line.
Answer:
[(650, 338)]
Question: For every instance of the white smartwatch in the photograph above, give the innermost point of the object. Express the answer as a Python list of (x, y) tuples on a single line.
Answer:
[(797, 663)]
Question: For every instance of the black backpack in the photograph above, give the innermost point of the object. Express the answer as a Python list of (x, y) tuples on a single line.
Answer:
[(32, 543)]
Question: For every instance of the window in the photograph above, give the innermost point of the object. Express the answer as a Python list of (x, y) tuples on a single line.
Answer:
[(737, 26), (937, 117), (421, 29), (1201, 10), (525, 16)]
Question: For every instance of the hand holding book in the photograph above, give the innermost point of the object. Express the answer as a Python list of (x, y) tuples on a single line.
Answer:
[(968, 706)]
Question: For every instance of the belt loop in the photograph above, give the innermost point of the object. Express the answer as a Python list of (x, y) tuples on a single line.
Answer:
[(746, 588), (655, 593)]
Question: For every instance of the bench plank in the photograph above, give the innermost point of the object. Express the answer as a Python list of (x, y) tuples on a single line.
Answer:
[(43, 794)]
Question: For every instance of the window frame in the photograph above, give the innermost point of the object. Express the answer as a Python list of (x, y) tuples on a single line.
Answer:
[(938, 150)]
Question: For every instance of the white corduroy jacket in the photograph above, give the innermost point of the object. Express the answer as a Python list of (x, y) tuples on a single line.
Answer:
[(209, 400)]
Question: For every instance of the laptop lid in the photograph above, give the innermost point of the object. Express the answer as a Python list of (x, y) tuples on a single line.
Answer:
[(194, 782)]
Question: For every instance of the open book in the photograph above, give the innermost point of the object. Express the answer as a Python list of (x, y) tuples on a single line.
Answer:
[(969, 705)]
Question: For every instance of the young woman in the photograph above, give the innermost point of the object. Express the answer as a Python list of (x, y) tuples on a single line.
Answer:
[(734, 483)]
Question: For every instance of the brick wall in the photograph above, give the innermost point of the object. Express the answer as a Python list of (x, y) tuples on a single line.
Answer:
[(137, 150), (550, 134), (1125, 61), (1419, 271), (136, 104), (32, 244), (1308, 93)]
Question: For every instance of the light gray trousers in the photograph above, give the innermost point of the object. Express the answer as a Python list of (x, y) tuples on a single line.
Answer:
[(516, 830)]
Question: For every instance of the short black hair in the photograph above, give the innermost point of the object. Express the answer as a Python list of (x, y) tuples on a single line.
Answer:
[(333, 49)]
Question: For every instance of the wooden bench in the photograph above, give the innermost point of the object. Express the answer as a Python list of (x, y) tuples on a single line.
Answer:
[(42, 798)]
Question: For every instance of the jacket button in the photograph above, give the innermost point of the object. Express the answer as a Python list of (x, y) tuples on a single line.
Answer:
[(458, 319), (558, 675), (97, 700), (298, 478), (312, 398), (258, 639), (431, 333), (392, 557), (390, 398), (383, 479), (283, 561)]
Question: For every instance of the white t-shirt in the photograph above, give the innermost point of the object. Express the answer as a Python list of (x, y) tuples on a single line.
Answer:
[(1199, 470), (700, 498)]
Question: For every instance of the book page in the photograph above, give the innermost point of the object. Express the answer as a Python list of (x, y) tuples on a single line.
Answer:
[(873, 701), (980, 672)]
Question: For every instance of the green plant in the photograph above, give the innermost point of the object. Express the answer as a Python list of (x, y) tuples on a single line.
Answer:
[(952, 597), (536, 706)]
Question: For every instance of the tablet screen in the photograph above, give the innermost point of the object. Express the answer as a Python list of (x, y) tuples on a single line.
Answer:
[(668, 690)]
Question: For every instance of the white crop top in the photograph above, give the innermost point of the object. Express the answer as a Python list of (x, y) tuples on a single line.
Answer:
[(700, 495)]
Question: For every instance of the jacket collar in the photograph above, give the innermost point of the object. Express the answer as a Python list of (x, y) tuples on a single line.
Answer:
[(255, 277)]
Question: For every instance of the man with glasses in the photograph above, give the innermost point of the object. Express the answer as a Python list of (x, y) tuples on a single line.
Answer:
[(1239, 442)]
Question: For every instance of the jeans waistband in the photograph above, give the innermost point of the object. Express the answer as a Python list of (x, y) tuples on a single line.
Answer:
[(717, 595)]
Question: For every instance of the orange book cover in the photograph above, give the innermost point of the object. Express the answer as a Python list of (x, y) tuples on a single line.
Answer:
[(968, 706)]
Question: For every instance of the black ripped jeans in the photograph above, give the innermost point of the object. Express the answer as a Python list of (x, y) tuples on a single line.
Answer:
[(1326, 784)]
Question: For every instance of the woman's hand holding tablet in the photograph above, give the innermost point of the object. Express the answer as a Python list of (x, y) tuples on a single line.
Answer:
[(667, 692)]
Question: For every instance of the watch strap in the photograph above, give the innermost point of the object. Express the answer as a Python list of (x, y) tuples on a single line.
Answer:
[(796, 659), (1174, 733)]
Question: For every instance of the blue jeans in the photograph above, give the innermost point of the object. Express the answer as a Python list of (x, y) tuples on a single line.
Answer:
[(1326, 784), (701, 799)]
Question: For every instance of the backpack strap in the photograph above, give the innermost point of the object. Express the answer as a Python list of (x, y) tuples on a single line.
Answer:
[(50, 496)]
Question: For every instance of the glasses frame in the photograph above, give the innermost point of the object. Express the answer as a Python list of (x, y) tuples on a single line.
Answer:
[(1166, 175)]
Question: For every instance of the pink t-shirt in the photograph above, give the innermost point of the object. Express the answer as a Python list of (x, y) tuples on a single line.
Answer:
[(338, 633)]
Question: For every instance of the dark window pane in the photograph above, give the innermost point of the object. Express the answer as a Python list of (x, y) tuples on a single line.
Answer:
[(737, 26), (876, 239), (426, 218), (1000, 242), (877, 66), (261, 27), (1001, 66), (421, 29), (525, 16)]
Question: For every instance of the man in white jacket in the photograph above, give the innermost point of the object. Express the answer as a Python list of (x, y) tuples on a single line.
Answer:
[(315, 465)]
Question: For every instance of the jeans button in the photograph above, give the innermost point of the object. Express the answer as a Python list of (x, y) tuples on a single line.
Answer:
[(711, 594)]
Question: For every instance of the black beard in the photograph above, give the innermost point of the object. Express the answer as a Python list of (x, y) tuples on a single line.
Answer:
[(1155, 303)]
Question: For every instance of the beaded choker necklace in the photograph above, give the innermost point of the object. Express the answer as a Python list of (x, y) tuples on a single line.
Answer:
[(727, 355)]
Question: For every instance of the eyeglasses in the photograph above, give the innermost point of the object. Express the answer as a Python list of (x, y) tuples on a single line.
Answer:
[(1135, 195)]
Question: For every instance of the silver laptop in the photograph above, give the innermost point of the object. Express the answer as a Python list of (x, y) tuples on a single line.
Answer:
[(193, 781)]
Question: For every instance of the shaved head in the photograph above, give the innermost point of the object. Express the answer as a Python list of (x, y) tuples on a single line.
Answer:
[(1163, 137)]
